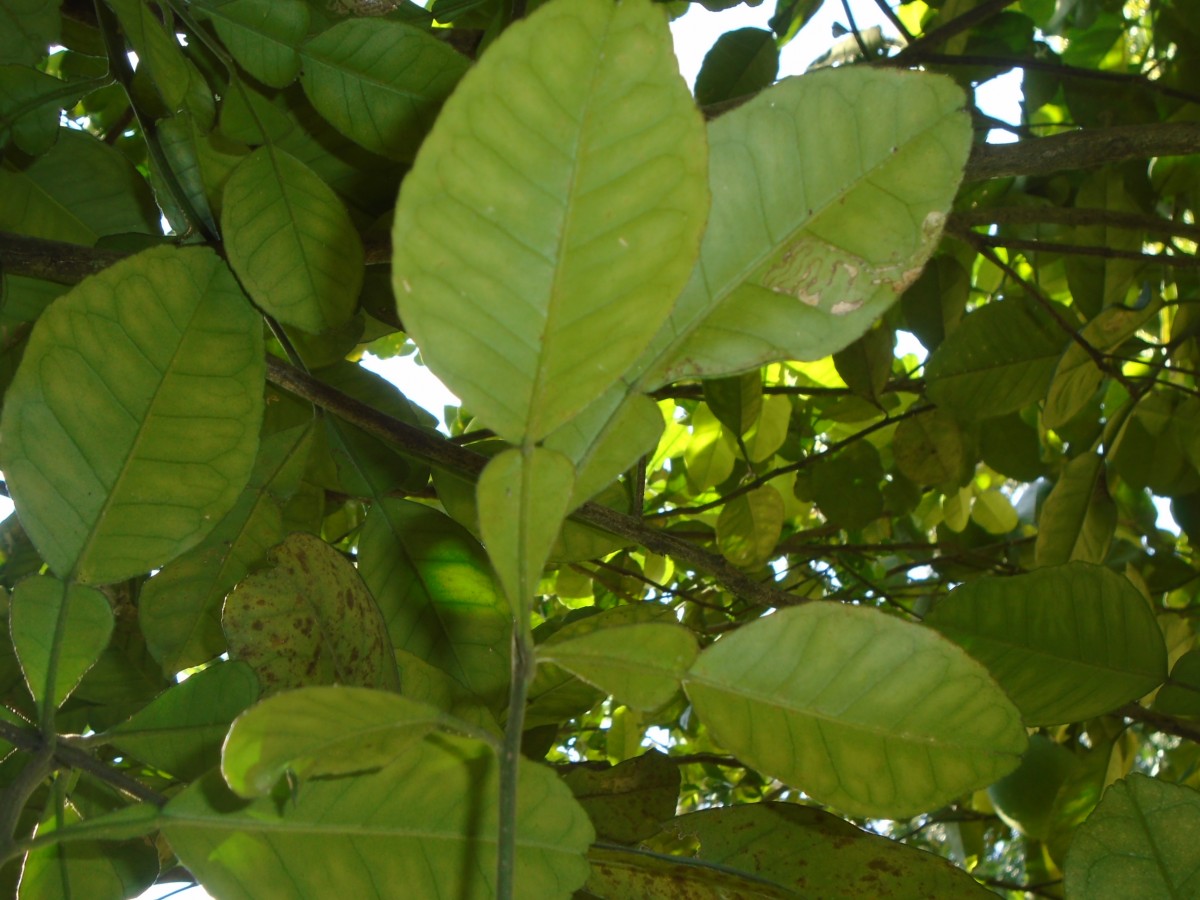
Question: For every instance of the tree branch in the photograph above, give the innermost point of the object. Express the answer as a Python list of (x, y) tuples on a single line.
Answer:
[(1027, 246), (1072, 216), (954, 27), (1160, 722)]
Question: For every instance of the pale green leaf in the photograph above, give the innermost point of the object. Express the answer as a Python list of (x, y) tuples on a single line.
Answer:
[(808, 242), (770, 430), (132, 424), (179, 609), (749, 527), (425, 825), (812, 853), (1078, 518), (182, 729), (993, 512), (27, 29), (741, 62), (58, 632), (322, 731), (1067, 643), (380, 83), (1139, 842), (860, 710), (628, 801), (998, 360), (437, 594), (709, 454), (306, 618), (639, 665), (261, 35), (291, 241), (522, 499), (557, 205)]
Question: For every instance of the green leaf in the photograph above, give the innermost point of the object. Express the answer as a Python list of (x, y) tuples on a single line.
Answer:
[(557, 204), (640, 665), (625, 874), (1137, 843), (811, 853), (181, 731), (179, 609), (157, 49), (522, 499), (1000, 359), (735, 401), (261, 35), (1078, 518), (708, 455), (846, 486), (866, 364), (860, 710), (929, 448), (291, 241), (740, 62), (749, 527), (1027, 797), (306, 618), (321, 731), (771, 429), (993, 512), (435, 589), (132, 424), (430, 685), (31, 104), (805, 248), (1180, 696), (27, 29), (425, 824), (628, 801), (380, 83), (58, 632), (1067, 643)]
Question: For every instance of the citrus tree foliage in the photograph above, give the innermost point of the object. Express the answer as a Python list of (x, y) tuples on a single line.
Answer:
[(718, 588)]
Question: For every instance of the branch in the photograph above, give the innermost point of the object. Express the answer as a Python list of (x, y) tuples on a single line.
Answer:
[(1027, 246), (55, 261), (1160, 722), (1073, 216), (435, 450), (1086, 148), (955, 26)]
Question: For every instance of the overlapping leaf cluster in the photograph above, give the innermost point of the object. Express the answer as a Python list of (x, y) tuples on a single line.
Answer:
[(703, 496)]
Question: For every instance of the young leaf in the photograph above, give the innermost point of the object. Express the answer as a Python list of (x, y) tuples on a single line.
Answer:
[(639, 665), (132, 424), (379, 82), (291, 241), (1137, 843), (322, 731), (308, 619), (860, 710), (58, 632), (426, 825), (435, 589), (1066, 643), (557, 204)]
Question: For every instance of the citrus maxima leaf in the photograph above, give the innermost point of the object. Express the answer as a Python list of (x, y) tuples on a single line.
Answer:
[(424, 826), (306, 618), (437, 594), (321, 731), (1066, 643), (1139, 842), (640, 665), (929, 448), (860, 710), (132, 424), (380, 83), (291, 241), (27, 28), (830, 193), (522, 500), (749, 527), (557, 206), (58, 632), (1078, 518), (261, 35)]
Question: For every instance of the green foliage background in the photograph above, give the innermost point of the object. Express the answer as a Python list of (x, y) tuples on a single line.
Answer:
[(711, 591)]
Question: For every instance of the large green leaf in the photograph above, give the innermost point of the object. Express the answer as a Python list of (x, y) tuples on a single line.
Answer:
[(814, 854), (1139, 842), (380, 83), (31, 103), (261, 34), (181, 731), (1000, 359), (27, 29), (860, 710), (424, 826), (1078, 517), (291, 242), (1066, 643), (816, 229), (640, 665), (749, 527), (58, 632), (307, 618), (740, 63), (157, 49), (556, 206), (435, 589), (629, 801), (179, 609), (132, 424)]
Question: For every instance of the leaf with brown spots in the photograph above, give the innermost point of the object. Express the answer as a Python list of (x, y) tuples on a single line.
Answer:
[(307, 619)]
